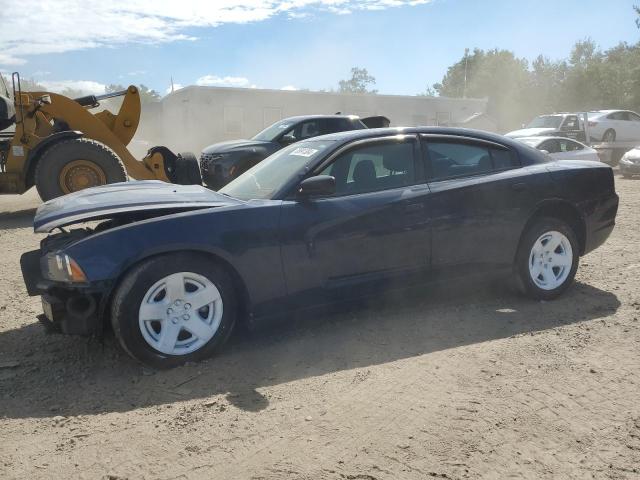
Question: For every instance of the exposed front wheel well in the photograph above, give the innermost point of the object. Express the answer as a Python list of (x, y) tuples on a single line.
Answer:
[(242, 294)]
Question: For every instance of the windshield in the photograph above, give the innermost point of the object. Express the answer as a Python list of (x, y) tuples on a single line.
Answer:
[(273, 173), (546, 121), (270, 133)]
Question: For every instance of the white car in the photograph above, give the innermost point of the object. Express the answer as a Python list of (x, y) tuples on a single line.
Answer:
[(630, 163), (569, 124), (561, 148), (614, 125)]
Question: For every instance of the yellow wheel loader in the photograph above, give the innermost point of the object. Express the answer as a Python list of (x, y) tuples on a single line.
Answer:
[(60, 146)]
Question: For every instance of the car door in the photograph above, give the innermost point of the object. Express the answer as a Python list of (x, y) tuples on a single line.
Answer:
[(374, 228), (567, 149), (479, 197), (615, 122), (632, 127), (570, 126)]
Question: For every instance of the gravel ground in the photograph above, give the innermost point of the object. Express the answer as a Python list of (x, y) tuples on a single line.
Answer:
[(458, 382)]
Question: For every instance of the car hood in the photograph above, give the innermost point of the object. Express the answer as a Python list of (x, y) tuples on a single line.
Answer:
[(530, 132), (118, 199), (237, 145)]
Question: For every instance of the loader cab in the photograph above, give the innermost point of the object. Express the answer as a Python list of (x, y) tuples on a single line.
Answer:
[(7, 113)]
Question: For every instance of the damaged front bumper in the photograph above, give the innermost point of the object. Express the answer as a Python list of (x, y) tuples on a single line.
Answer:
[(75, 309)]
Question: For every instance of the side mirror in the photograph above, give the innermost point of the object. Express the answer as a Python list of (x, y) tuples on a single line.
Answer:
[(286, 140), (320, 185), (545, 151)]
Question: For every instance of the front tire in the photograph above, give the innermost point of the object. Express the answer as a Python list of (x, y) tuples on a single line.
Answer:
[(174, 309), (76, 164), (547, 259), (187, 169)]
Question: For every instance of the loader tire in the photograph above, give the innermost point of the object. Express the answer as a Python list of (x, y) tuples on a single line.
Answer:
[(187, 169), (75, 164)]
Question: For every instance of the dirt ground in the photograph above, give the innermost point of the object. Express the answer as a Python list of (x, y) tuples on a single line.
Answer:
[(454, 382)]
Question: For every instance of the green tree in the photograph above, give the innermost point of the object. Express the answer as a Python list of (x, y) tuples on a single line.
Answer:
[(496, 75), (358, 83), (637, 10)]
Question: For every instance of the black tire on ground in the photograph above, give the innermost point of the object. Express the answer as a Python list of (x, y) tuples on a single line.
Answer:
[(187, 169), (101, 160), (609, 136), (131, 291), (524, 279)]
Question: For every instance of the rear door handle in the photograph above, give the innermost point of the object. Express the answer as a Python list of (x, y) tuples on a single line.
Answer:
[(519, 187)]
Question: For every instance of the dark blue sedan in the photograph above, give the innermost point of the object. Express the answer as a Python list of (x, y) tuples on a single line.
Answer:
[(174, 268)]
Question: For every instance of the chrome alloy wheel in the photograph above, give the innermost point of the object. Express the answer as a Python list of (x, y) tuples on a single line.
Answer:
[(180, 313), (550, 260)]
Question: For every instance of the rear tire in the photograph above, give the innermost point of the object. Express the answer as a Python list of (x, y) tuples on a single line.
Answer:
[(75, 164), (144, 309), (547, 259), (609, 136), (187, 169)]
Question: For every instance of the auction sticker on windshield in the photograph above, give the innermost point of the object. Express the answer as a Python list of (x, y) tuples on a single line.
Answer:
[(304, 152)]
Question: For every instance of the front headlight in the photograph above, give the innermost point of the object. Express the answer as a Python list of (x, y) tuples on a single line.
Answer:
[(60, 267)]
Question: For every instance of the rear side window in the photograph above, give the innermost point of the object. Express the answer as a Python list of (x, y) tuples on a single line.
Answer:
[(451, 159), (333, 125), (571, 123)]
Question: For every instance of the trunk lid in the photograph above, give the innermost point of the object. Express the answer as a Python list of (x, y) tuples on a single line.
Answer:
[(117, 199)]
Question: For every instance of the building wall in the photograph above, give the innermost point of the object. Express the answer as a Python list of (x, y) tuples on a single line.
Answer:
[(194, 117)]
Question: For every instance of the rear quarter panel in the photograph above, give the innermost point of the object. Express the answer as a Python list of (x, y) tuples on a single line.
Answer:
[(589, 186)]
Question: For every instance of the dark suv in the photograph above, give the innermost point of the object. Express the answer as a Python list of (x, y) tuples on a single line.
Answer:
[(222, 162)]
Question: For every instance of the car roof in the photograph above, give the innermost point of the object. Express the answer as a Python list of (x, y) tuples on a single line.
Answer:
[(606, 112), (299, 118), (547, 137), (351, 135), (542, 138)]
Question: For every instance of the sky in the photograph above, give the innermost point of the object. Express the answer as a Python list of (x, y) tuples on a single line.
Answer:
[(406, 45)]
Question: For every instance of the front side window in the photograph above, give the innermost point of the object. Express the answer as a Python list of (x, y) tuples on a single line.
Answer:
[(550, 146), (450, 159), (381, 166), (634, 117), (569, 146), (302, 131)]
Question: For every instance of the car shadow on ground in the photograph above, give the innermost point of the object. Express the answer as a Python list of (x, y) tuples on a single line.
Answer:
[(17, 219), (62, 375)]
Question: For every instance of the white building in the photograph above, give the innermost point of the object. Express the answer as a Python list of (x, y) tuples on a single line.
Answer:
[(194, 117)]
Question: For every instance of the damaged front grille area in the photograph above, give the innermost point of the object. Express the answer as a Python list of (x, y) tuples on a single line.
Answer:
[(206, 161)]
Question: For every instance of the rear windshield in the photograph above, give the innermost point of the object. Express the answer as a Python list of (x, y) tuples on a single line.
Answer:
[(546, 121)]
